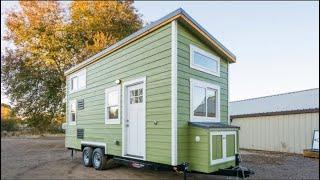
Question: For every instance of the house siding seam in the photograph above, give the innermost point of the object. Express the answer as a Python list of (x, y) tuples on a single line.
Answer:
[(184, 73), (150, 56)]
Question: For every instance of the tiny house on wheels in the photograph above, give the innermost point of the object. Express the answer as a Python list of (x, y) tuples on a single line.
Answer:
[(159, 96)]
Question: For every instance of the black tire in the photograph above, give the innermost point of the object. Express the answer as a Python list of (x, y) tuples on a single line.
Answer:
[(99, 160), (87, 156)]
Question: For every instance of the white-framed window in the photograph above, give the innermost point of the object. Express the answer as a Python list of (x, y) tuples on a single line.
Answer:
[(204, 61), (204, 101), (72, 112), (219, 150), (78, 81), (112, 105)]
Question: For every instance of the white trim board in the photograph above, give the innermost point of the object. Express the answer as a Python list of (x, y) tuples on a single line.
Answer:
[(123, 104), (174, 92), (229, 122)]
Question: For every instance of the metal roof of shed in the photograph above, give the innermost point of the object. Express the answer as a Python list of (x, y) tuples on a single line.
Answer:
[(178, 14), (293, 101)]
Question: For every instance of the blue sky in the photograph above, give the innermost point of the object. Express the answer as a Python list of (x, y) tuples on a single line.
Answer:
[(276, 43)]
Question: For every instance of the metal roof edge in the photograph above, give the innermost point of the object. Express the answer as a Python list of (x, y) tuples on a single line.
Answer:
[(141, 31), (276, 113), (274, 95), (204, 30)]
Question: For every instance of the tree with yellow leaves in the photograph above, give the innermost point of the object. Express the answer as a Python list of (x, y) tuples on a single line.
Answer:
[(48, 40)]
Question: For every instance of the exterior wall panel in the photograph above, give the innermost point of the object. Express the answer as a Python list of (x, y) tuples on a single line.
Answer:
[(185, 72), (283, 133)]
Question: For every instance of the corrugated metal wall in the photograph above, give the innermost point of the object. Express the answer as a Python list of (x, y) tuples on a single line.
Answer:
[(284, 133)]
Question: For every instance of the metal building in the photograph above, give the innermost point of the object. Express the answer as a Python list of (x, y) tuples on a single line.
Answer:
[(283, 122)]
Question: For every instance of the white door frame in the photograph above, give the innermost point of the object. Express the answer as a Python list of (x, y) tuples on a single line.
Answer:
[(141, 80)]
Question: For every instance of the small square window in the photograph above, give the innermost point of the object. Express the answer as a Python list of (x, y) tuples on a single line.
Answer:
[(112, 105), (72, 111)]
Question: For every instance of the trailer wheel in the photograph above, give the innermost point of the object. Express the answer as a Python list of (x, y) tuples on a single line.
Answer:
[(87, 156), (98, 159)]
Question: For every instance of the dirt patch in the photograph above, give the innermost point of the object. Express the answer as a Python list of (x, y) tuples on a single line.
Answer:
[(47, 158)]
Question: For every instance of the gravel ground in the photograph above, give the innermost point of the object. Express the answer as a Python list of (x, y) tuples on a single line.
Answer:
[(271, 165), (47, 158)]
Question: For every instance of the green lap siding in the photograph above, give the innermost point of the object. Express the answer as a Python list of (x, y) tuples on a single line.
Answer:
[(230, 145), (185, 37), (199, 152), (150, 56)]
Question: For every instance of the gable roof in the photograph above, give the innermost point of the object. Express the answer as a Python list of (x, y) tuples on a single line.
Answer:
[(179, 15), (299, 101)]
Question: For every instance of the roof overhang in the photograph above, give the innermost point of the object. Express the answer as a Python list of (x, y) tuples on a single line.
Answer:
[(278, 113), (179, 15)]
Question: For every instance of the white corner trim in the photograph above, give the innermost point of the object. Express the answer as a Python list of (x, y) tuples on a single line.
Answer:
[(96, 144), (193, 49), (108, 90), (228, 94), (194, 82), (124, 109), (174, 92)]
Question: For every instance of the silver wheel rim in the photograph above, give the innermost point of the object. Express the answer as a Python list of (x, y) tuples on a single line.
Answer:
[(86, 157), (97, 159)]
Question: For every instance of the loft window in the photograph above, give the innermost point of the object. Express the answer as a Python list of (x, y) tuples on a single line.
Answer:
[(78, 81), (204, 61)]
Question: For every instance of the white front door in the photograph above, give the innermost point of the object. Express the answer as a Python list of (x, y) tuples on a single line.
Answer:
[(135, 121)]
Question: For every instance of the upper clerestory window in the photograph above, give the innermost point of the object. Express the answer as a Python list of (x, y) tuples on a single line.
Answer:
[(204, 61), (78, 81)]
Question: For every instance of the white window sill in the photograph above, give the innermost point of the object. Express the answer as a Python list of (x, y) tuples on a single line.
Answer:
[(72, 123), (112, 121), (204, 120)]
